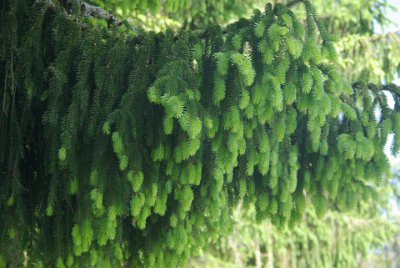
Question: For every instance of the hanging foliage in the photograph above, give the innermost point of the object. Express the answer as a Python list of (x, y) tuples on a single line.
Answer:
[(123, 147)]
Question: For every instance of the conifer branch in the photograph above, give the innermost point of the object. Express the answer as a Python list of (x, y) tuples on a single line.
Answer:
[(106, 104), (294, 2), (393, 88), (86, 9), (94, 11), (376, 37)]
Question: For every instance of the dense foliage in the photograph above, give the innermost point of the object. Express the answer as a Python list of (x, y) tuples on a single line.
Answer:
[(119, 146), (364, 237)]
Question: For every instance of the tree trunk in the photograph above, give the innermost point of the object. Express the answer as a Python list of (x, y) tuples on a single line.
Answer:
[(270, 253), (258, 255)]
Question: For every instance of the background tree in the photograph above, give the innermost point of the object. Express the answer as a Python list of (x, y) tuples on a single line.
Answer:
[(363, 237)]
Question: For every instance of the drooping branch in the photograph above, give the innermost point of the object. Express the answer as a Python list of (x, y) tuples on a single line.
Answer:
[(156, 153)]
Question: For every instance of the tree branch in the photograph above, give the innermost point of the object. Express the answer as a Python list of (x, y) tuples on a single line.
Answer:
[(384, 35), (96, 12), (292, 3), (86, 9)]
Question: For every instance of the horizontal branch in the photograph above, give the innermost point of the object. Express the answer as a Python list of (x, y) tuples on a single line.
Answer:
[(294, 2), (96, 12), (384, 35), (86, 9), (391, 87)]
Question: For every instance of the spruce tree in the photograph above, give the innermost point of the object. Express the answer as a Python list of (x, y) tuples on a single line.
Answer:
[(125, 147)]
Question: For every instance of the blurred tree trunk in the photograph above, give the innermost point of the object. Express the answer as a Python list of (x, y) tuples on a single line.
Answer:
[(258, 255), (270, 253)]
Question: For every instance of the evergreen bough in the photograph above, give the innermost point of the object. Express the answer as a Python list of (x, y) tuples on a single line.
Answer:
[(121, 147)]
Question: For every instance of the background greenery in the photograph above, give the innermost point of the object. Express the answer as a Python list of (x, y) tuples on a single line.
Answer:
[(365, 237)]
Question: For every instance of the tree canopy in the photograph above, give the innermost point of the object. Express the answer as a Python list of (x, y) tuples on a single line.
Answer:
[(121, 146)]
